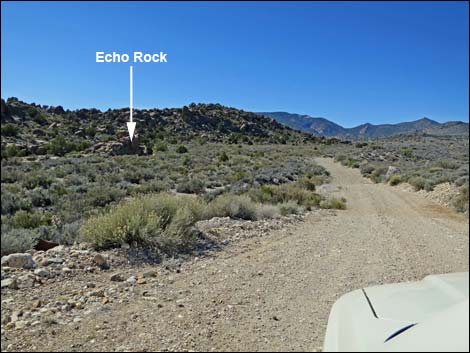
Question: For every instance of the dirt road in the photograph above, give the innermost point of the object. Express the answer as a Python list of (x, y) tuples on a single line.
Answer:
[(275, 293)]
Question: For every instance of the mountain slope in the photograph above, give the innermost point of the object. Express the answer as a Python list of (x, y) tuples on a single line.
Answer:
[(306, 123), (324, 127), (31, 127)]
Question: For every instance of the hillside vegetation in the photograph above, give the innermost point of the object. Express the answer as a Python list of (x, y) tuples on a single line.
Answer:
[(31, 129)]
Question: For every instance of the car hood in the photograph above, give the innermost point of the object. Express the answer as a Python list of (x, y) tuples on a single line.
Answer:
[(417, 301)]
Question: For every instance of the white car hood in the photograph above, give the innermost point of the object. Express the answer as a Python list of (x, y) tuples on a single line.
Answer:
[(430, 315), (417, 301)]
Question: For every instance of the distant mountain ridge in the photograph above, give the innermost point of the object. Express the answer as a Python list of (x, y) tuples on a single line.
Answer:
[(319, 126)]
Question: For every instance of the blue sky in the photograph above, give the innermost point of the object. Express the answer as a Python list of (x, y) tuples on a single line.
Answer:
[(349, 62)]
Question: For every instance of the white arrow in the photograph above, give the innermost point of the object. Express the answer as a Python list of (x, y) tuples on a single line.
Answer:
[(130, 124)]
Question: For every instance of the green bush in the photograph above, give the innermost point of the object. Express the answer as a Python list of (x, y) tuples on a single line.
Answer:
[(191, 186), (160, 147), (17, 240), (223, 157), (309, 183), (233, 206), (407, 152), (12, 202), (447, 164), (418, 183), (394, 180), (289, 207), (277, 194), (32, 112), (58, 146), (461, 201), (101, 195), (162, 221), (34, 180), (10, 130), (267, 211), (333, 203), (25, 219), (181, 149)]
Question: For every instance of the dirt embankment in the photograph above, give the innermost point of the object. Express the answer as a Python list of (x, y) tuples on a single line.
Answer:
[(272, 292)]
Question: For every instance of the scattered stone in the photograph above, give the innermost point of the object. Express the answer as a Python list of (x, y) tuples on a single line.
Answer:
[(100, 261), (42, 272), (141, 281), (21, 324), (9, 283), (26, 281), (150, 273), (18, 260), (105, 300), (116, 277), (131, 280), (96, 293), (55, 261)]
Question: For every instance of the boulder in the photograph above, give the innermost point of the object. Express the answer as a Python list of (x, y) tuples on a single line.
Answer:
[(44, 245), (9, 283), (18, 260)]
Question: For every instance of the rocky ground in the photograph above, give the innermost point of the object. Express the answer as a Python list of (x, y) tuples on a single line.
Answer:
[(258, 286), (44, 291)]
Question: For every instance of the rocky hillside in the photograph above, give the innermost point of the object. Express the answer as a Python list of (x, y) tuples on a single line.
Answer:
[(40, 129), (324, 127)]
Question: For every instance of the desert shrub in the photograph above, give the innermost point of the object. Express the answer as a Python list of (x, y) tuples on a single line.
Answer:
[(12, 202), (162, 221), (40, 119), (101, 195), (154, 186), (181, 149), (17, 240), (10, 130), (276, 194), (352, 163), (35, 180), (289, 207), (9, 151), (58, 146), (333, 203), (360, 144), (395, 180), (223, 157), (377, 174), (32, 112), (341, 158), (407, 152), (461, 201), (191, 186), (308, 183), (447, 164), (267, 211), (25, 219), (160, 146), (40, 198), (238, 176), (418, 183), (367, 169), (233, 206)]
